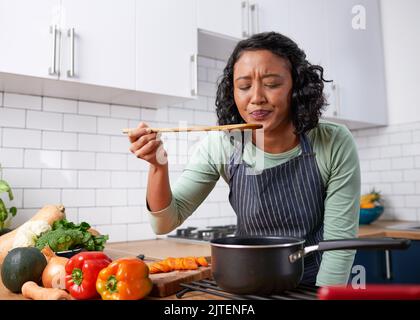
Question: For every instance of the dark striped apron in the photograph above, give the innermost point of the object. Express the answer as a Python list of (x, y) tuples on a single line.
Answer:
[(285, 200)]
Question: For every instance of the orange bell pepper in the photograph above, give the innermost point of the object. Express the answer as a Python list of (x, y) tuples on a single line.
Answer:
[(124, 279)]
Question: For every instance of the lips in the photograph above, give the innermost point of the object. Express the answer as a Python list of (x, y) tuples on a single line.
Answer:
[(260, 114)]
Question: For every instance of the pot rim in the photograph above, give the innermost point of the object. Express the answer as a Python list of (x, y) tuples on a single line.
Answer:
[(257, 246)]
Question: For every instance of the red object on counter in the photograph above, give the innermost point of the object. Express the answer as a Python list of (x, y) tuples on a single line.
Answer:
[(82, 272), (371, 292)]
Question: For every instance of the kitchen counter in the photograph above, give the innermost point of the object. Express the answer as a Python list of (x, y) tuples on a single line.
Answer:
[(162, 248)]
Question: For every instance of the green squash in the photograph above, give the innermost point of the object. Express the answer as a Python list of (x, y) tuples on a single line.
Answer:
[(21, 265)]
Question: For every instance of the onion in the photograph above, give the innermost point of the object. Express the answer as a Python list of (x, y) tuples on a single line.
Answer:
[(54, 274)]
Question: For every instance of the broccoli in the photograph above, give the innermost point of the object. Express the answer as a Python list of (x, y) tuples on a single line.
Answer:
[(66, 235)]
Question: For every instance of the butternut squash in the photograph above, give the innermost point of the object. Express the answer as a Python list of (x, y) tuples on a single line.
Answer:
[(48, 213)]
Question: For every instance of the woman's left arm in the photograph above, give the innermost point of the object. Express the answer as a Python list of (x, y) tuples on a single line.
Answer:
[(342, 205)]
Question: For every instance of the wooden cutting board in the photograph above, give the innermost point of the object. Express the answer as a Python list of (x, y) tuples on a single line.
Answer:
[(168, 283)]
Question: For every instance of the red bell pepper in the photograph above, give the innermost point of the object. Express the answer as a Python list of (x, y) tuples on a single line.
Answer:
[(82, 271)]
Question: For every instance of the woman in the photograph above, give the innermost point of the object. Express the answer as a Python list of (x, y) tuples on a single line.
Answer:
[(308, 184)]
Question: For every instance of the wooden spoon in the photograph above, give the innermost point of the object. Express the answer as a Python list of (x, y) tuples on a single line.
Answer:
[(242, 126)]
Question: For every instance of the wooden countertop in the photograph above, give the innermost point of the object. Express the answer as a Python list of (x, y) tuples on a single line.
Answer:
[(162, 248)]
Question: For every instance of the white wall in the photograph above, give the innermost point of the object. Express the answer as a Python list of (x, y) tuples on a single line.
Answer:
[(72, 152), (401, 39)]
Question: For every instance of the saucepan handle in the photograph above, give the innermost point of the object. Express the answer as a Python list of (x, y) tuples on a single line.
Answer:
[(357, 243), (383, 243)]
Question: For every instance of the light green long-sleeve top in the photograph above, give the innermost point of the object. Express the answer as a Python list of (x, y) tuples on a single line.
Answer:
[(338, 163)]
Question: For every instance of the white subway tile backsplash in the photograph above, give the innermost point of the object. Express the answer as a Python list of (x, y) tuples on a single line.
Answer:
[(38, 198), (412, 201), (391, 176), (78, 160), (59, 140), (91, 142), (111, 161), (411, 175), (1, 99), (116, 233), (22, 178), (380, 164), (44, 120), (21, 138), (111, 197), (59, 178), (59, 105), (136, 164), (213, 75), (400, 138), (78, 123), (402, 163), (17, 198), (369, 153), (22, 101), (206, 89), (111, 126), (416, 136), (206, 62), (136, 197), (140, 231), (42, 159), (207, 210), (125, 112), (10, 158), (96, 215), (12, 118), (22, 216), (390, 152), (72, 214), (126, 215), (147, 114), (120, 145), (220, 64), (403, 188), (181, 115), (124, 179), (94, 179), (417, 162), (78, 198), (95, 109), (202, 74), (411, 150)]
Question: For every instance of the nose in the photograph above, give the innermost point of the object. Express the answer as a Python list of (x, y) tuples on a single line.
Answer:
[(258, 95)]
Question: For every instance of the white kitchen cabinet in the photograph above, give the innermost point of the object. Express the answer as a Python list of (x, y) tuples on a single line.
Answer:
[(132, 52), (224, 17), (356, 60), (166, 47), (27, 37), (270, 15), (101, 50)]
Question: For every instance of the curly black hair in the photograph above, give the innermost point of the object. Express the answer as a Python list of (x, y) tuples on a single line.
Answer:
[(308, 99)]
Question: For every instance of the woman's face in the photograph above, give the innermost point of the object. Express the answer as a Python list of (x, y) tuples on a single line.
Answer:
[(263, 89)]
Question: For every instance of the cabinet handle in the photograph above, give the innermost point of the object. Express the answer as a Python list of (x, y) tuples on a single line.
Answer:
[(70, 33), (388, 270), (255, 23), (193, 61), (52, 69), (245, 19)]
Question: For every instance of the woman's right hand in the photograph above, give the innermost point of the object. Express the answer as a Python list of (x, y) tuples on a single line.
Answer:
[(147, 145)]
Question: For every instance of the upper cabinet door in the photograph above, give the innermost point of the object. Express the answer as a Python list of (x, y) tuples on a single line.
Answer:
[(357, 61), (225, 17), (166, 47), (27, 37), (308, 28), (98, 42), (270, 15)]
